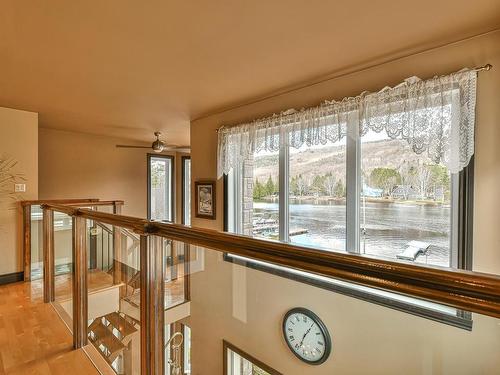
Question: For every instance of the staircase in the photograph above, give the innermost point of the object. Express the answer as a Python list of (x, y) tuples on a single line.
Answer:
[(112, 335)]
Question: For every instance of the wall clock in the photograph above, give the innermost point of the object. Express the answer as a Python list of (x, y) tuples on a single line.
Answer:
[(307, 336)]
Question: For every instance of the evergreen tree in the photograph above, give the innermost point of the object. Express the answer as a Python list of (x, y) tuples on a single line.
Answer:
[(270, 187), (340, 189), (318, 184), (258, 190)]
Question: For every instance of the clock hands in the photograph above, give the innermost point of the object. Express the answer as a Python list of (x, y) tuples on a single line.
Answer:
[(305, 334)]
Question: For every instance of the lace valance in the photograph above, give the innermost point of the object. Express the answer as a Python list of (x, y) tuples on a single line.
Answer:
[(435, 116)]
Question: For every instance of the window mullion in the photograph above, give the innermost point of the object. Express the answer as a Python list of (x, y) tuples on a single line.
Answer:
[(238, 199), (454, 232), (353, 186), (284, 190)]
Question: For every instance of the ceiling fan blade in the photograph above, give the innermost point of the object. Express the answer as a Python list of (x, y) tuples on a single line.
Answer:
[(186, 150), (177, 148), (131, 146)]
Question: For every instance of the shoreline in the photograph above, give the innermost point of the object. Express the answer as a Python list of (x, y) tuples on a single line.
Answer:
[(326, 200)]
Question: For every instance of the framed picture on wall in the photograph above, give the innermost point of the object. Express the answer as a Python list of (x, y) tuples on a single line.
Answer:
[(205, 199)]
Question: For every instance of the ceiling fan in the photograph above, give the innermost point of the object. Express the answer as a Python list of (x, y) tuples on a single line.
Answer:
[(158, 146)]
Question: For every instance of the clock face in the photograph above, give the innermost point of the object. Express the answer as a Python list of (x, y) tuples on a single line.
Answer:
[(306, 336)]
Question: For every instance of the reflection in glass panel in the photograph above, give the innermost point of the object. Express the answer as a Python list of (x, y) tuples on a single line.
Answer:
[(405, 203), (175, 280), (113, 291), (63, 267), (177, 349), (318, 195), (187, 350), (36, 242), (265, 195)]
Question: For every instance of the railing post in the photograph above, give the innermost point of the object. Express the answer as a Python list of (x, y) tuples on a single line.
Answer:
[(152, 305), (80, 296), (48, 256), (117, 250), (27, 241)]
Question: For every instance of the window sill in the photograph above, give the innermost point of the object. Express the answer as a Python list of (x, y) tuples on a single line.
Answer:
[(428, 310)]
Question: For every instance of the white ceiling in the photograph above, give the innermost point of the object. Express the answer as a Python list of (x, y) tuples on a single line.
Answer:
[(128, 67)]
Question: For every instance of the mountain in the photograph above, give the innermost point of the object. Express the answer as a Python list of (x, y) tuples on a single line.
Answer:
[(391, 153)]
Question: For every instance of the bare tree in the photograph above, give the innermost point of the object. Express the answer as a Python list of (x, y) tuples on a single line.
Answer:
[(407, 177), (423, 177), (330, 184)]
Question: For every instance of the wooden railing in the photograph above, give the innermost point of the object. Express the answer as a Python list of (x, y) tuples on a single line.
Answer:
[(26, 219), (466, 290)]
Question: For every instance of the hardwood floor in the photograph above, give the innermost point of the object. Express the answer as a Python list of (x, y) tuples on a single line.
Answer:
[(33, 340), (96, 280)]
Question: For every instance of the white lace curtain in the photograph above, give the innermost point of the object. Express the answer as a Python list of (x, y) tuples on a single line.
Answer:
[(434, 116)]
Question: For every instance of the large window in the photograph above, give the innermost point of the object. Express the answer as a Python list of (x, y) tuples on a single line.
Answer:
[(160, 188), (399, 204), (386, 175)]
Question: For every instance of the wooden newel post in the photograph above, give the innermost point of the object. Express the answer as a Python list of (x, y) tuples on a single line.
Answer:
[(152, 305), (27, 241), (48, 256), (80, 296)]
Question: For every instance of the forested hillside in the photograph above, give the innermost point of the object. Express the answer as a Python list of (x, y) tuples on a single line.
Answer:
[(385, 164)]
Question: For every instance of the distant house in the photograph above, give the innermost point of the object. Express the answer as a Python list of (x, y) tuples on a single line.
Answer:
[(372, 192), (404, 192)]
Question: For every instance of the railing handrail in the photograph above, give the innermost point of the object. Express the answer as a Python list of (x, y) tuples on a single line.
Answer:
[(94, 203), (58, 201), (468, 290)]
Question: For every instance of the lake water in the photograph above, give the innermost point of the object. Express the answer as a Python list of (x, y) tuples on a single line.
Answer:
[(388, 227)]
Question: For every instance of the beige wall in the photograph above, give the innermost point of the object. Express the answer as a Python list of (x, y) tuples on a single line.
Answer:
[(367, 338), (18, 140), (77, 165)]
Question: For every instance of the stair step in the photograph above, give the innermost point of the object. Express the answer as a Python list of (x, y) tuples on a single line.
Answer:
[(102, 335), (122, 325)]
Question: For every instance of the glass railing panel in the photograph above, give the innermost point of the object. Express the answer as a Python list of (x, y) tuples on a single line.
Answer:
[(36, 242), (63, 266), (114, 296), (182, 260), (175, 273)]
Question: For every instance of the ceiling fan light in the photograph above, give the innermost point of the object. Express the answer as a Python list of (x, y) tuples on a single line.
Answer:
[(158, 146)]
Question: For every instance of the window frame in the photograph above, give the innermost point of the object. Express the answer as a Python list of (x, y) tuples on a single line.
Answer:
[(461, 221), (226, 346), (184, 209), (172, 184)]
